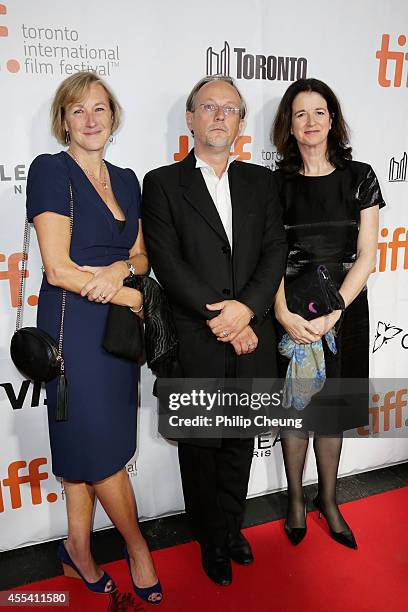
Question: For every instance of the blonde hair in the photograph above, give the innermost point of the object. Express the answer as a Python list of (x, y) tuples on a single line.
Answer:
[(190, 103), (73, 89)]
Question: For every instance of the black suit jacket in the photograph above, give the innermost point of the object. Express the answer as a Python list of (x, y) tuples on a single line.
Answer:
[(191, 257)]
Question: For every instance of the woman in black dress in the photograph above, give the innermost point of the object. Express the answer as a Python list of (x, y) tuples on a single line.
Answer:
[(330, 211)]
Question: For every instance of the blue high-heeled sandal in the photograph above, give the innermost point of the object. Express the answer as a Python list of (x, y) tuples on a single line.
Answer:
[(145, 592), (71, 570)]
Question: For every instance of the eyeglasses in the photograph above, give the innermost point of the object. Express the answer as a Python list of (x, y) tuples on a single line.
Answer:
[(211, 109)]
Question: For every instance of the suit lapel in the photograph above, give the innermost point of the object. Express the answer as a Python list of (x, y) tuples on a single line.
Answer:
[(198, 196), (242, 195)]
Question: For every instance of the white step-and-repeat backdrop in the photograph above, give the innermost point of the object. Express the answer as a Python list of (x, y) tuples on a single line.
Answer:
[(152, 54)]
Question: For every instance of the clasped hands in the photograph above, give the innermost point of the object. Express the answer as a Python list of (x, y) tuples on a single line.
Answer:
[(105, 282), (302, 331), (232, 325)]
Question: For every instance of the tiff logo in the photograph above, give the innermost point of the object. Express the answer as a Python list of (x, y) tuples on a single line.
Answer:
[(33, 478), (397, 171), (398, 243), (219, 63), (12, 274), (238, 148), (12, 65), (384, 55), (386, 414)]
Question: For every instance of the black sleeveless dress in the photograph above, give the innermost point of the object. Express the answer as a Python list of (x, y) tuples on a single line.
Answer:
[(321, 215)]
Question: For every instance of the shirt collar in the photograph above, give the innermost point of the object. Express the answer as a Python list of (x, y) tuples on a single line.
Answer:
[(202, 164)]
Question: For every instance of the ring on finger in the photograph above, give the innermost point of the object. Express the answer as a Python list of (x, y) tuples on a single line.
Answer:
[(224, 334)]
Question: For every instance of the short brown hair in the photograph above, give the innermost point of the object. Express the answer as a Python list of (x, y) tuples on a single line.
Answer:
[(72, 90), (338, 149), (190, 103)]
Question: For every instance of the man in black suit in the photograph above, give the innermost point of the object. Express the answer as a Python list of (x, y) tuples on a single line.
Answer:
[(216, 242)]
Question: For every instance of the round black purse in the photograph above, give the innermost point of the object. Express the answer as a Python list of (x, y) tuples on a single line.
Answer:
[(34, 352)]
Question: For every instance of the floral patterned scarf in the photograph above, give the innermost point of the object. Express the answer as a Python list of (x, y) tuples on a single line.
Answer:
[(306, 373)]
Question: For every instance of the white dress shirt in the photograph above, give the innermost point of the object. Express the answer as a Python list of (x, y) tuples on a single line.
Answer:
[(220, 193)]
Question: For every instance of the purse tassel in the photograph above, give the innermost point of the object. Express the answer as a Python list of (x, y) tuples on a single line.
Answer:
[(61, 411)]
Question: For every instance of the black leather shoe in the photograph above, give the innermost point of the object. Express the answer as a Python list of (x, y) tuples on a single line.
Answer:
[(295, 534), (238, 548), (346, 537), (216, 564)]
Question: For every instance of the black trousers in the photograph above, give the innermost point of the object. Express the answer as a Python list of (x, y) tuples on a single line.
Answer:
[(215, 481), (215, 484)]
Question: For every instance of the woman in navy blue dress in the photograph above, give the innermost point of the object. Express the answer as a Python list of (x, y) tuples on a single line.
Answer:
[(90, 449)]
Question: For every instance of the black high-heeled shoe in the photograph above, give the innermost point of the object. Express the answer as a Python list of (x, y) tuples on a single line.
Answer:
[(295, 534), (346, 537)]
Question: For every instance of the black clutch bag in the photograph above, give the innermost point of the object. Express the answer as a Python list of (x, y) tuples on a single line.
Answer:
[(313, 294), (124, 333)]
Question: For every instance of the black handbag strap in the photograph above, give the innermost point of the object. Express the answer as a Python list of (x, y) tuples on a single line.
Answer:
[(21, 291)]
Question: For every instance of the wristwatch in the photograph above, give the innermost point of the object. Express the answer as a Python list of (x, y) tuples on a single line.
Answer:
[(131, 268)]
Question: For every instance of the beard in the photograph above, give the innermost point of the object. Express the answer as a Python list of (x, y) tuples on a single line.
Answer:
[(217, 139)]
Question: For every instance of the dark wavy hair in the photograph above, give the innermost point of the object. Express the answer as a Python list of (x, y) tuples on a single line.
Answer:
[(338, 149)]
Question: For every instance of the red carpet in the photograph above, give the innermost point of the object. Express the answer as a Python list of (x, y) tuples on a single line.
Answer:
[(319, 575)]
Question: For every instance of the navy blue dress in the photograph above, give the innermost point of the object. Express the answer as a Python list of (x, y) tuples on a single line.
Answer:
[(100, 435)]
